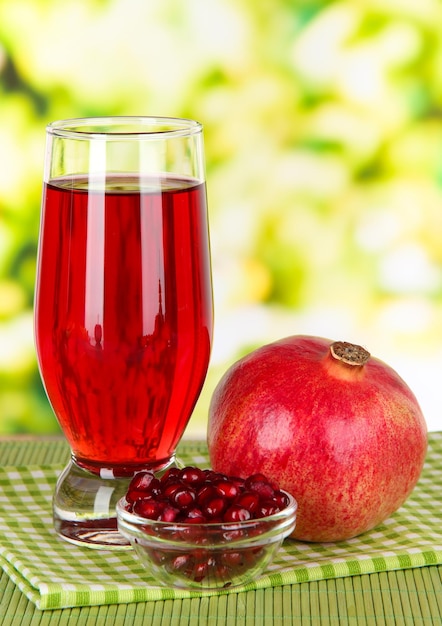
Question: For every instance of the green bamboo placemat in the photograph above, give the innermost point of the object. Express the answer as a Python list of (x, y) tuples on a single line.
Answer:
[(54, 574)]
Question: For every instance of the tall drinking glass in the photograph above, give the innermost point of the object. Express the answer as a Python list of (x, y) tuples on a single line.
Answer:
[(123, 305)]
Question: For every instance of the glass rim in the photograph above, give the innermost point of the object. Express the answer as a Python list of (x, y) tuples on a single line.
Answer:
[(138, 127)]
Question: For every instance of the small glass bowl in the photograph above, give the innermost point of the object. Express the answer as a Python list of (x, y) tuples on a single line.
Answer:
[(210, 555)]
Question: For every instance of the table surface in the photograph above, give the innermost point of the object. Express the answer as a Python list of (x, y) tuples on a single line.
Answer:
[(412, 596)]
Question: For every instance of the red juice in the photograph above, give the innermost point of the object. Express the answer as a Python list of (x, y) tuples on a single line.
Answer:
[(123, 315)]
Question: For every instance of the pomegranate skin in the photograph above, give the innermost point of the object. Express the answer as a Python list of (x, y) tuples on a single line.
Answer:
[(348, 441)]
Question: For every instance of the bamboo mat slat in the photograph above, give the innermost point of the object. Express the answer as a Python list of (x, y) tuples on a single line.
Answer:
[(421, 591), (403, 597), (326, 603)]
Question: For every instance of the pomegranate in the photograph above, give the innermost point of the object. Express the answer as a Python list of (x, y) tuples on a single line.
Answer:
[(337, 428)]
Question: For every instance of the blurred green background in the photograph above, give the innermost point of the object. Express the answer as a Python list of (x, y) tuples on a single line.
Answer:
[(324, 166)]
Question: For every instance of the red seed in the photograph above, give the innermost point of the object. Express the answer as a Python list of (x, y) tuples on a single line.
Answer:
[(281, 499), (211, 477), (206, 493), (170, 487), (195, 516), (235, 534), (200, 571), (231, 558), (171, 473), (236, 513), (239, 482), (214, 507), (266, 508), (147, 508), (142, 480), (169, 514), (180, 562), (157, 556), (259, 484), (192, 475), (223, 572), (183, 497), (139, 486), (227, 489), (248, 500)]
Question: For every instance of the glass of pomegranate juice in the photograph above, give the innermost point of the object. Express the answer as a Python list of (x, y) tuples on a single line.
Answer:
[(123, 305)]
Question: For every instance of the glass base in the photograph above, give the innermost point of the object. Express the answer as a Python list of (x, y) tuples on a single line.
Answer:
[(84, 507)]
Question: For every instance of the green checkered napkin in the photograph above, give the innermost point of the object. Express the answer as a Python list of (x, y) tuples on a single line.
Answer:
[(54, 574)]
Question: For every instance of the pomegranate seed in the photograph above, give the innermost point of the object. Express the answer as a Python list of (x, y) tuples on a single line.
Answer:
[(227, 489), (183, 497), (257, 477), (231, 558), (171, 473), (192, 475), (195, 514), (281, 499), (180, 562), (248, 500), (211, 476), (193, 533), (170, 488), (169, 514), (267, 508), (214, 507), (200, 571), (207, 492), (157, 556), (259, 484), (141, 481), (239, 482), (234, 535), (139, 486), (222, 572), (147, 508), (236, 513)]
